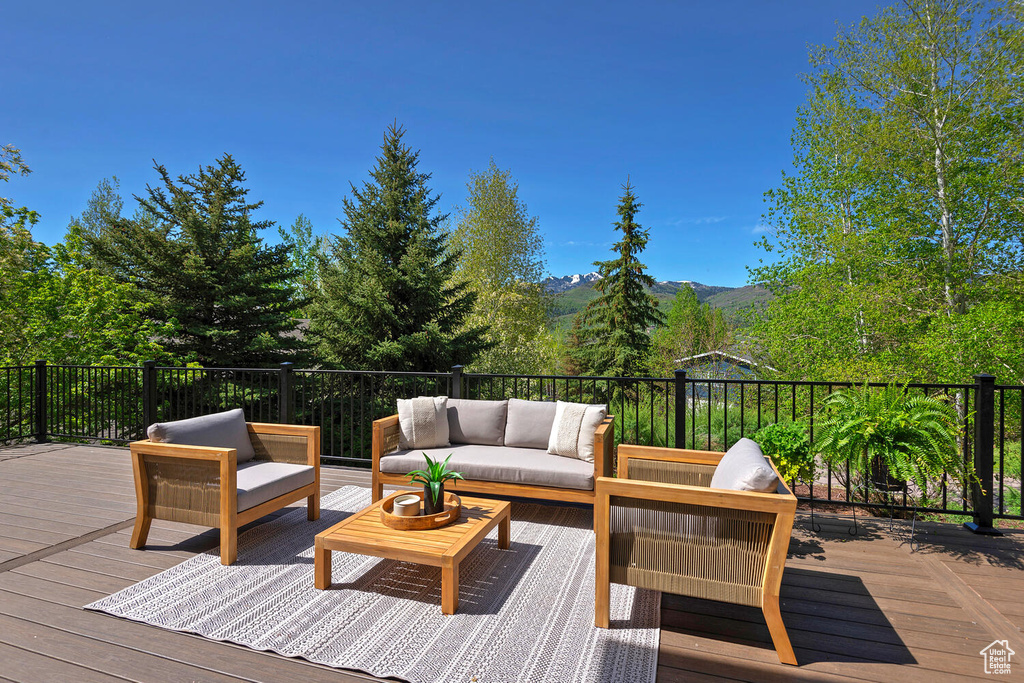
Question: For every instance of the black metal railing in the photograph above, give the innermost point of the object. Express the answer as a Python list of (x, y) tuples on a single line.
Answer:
[(18, 404), (116, 404)]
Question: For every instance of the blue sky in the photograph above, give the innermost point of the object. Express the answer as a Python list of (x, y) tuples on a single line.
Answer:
[(695, 101)]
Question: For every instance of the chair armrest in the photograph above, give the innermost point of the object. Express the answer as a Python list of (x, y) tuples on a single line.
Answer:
[(198, 482), (182, 451), (279, 450), (385, 438), (668, 454), (777, 503)]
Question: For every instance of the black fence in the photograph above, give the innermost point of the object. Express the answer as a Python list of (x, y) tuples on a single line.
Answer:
[(115, 404)]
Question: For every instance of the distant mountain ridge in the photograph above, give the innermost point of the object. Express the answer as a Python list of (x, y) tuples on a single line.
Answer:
[(573, 292), (557, 285)]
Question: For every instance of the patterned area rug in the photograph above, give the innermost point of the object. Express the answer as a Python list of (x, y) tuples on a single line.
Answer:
[(525, 614)]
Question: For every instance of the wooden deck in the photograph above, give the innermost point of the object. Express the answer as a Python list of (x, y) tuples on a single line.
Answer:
[(862, 608)]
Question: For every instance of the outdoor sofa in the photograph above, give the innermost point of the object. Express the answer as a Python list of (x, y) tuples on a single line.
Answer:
[(219, 471), (501, 448)]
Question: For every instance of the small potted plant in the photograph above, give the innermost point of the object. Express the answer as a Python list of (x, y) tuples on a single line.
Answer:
[(433, 479)]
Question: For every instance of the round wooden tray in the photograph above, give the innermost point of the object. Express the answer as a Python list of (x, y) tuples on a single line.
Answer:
[(452, 511)]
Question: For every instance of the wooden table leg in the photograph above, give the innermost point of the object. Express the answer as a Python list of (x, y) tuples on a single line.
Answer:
[(449, 585), (321, 565), (505, 531)]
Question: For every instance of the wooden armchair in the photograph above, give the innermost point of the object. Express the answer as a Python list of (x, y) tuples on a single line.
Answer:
[(660, 526), (199, 484)]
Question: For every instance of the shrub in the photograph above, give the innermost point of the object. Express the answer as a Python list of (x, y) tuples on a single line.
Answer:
[(789, 447)]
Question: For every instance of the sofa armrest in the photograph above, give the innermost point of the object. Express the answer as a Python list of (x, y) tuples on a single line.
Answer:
[(604, 448), (385, 438)]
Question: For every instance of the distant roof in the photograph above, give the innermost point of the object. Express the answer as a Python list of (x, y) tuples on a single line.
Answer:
[(721, 355)]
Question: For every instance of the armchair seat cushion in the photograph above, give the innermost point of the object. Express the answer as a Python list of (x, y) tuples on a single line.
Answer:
[(260, 481), (531, 466)]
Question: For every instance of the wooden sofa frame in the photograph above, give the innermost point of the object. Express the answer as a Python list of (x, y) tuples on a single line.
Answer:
[(197, 484), (698, 464), (385, 440)]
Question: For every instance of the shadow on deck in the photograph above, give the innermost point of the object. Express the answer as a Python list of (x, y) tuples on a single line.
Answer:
[(861, 607)]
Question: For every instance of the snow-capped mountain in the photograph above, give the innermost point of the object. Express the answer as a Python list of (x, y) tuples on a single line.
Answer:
[(557, 285)]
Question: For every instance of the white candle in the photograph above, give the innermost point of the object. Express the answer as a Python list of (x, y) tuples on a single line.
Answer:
[(407, 506)]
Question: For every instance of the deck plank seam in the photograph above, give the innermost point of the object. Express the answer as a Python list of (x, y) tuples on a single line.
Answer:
[(64, 545)]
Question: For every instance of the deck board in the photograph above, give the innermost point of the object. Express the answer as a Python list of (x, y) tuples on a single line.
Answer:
[(861, 608)]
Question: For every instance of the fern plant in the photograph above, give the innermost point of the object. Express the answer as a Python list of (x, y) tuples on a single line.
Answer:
[(913, 436)]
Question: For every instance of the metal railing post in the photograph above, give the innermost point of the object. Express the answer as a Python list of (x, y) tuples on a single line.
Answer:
[(984, 454), (680, 408), (148, 395), (286, 393), (41, 429), (456, 381)]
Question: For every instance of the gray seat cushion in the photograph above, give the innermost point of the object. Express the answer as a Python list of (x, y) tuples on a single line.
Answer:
[(477, 422), (494, 463), (529, 423), (225, 430), (744, 468), (261, 481)]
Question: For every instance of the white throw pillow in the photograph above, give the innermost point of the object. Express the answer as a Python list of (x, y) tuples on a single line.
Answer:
[(744, 468), (572, 433), (423, 422)]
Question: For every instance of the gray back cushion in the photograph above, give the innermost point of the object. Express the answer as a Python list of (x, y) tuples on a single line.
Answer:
[(529, 423), (224, 430), (744, 468), (479, 422)]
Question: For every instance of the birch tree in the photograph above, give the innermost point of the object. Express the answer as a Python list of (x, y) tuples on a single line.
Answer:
[(503, 262), (904, 213)]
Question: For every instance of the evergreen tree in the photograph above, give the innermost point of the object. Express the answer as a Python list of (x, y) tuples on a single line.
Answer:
[(102, 210), (612, 336), (196, 257), (305, 249), (503, 261), (386, 298)]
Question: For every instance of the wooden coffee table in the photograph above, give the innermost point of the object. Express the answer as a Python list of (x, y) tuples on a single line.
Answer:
[(365, 534)]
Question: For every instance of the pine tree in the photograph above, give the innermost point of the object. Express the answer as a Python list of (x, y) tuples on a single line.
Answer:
[(196, 257), (612, 336), (386, 298)]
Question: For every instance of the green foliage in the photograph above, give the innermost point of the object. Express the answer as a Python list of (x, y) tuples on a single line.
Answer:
[(914, 436), (386, 299), (10, 163), (503, 262), (789, 447), (54, 305), (900, 232), (690, 328), (437, 473), (305, 250), (610, 336), (197, 261)]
